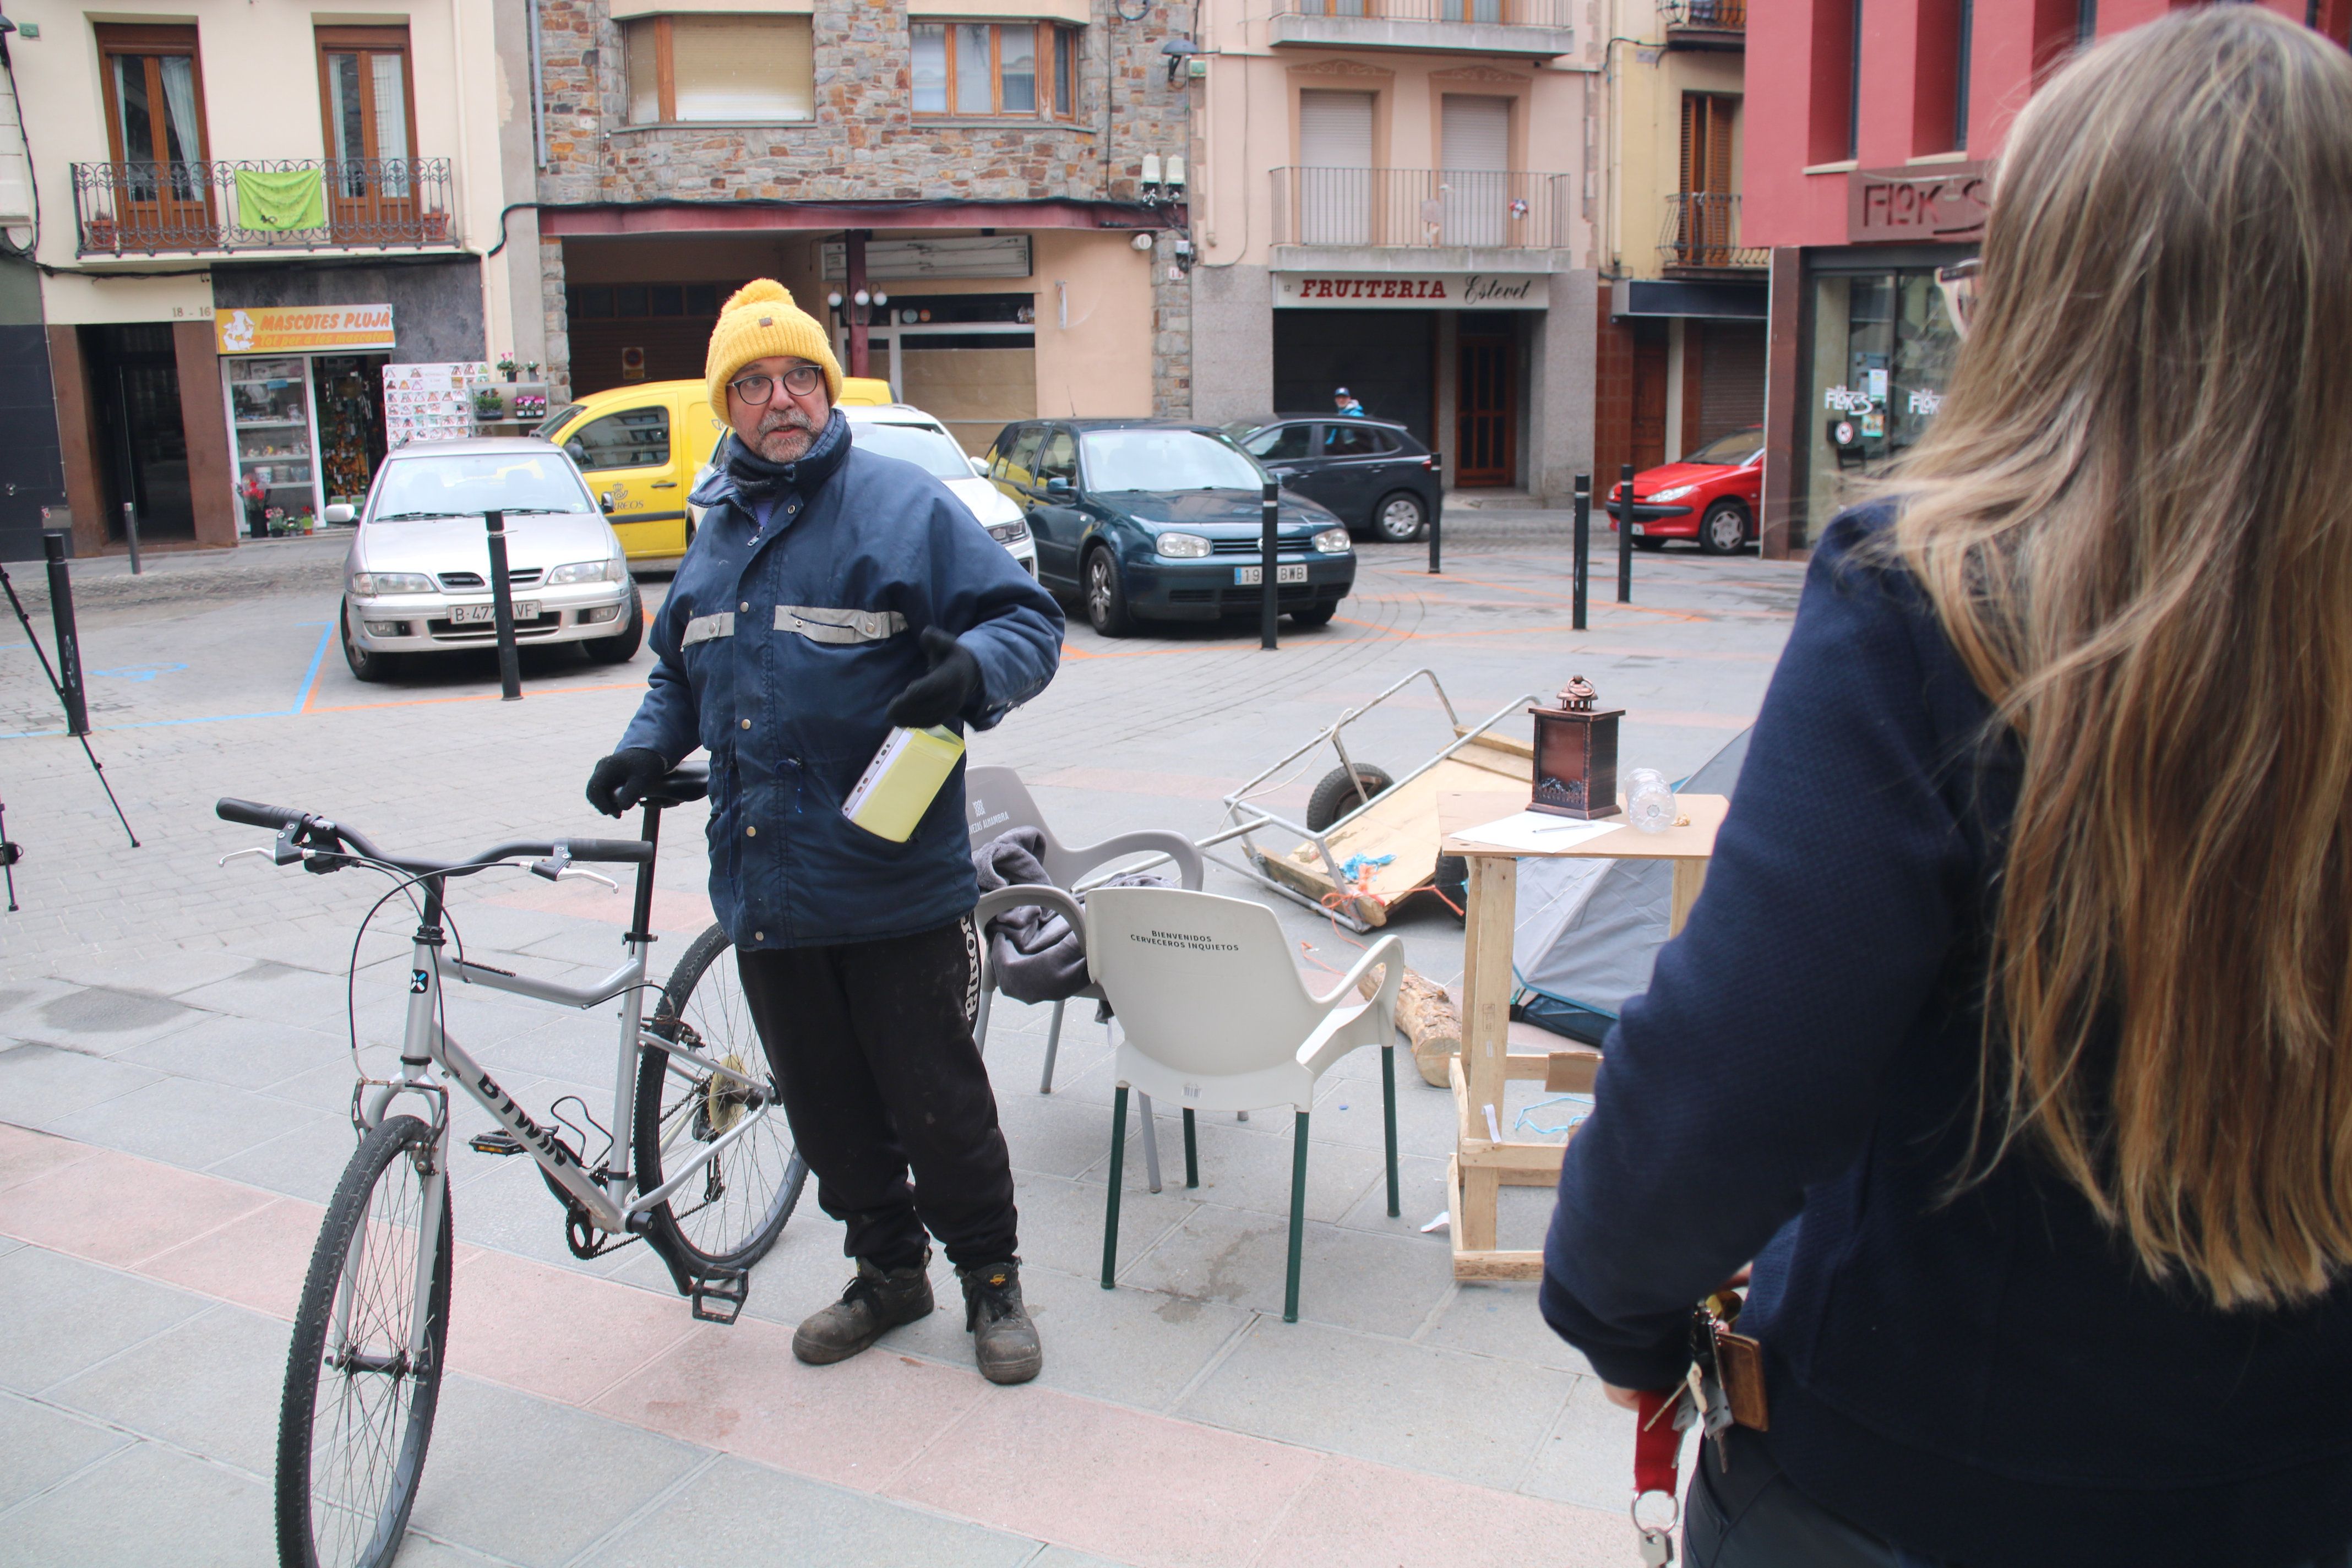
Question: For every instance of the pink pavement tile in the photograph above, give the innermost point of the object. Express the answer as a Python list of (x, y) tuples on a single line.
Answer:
[(1140, 1489), (120, 1209), (256, 1260), (1356, 1514), (739, 1389), (25, 1153), (554, 1332)]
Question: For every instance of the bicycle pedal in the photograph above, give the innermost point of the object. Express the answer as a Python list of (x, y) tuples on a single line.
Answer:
[(497, 1141), (717, 1297)]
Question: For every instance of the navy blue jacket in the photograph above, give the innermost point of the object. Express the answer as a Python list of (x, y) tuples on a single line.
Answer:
[(779, 651), (1986, 1380)]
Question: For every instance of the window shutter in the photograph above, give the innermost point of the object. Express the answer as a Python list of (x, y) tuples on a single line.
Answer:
[(1335, 129), (1694, 140), (743, 68), (1475, 132), (1718, 144), (1731, 380)]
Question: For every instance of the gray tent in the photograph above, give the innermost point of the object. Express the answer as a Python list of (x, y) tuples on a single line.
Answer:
[(1589, 930)]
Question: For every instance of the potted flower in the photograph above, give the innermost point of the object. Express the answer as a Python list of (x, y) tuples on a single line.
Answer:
[(507, 367), (435, 225)]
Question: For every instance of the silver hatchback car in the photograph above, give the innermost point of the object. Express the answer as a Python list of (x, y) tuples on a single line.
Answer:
[(417, 578)]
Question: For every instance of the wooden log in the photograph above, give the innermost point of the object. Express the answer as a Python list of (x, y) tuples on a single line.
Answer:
[(1427, 1015)]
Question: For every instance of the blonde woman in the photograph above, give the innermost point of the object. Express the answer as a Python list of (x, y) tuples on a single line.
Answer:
[(2012, 1037)]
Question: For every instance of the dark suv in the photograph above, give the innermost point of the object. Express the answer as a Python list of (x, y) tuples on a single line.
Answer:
[(1149, 519), (1372, 472)]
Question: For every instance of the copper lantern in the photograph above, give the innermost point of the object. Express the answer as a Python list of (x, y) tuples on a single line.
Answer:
[(1576, 756)]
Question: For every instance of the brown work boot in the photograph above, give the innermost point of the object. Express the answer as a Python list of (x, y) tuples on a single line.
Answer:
[(877, 1302), (1004, 1341)]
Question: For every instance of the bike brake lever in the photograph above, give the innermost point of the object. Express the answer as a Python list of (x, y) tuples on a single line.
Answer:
[(594, 877), (241, 854)]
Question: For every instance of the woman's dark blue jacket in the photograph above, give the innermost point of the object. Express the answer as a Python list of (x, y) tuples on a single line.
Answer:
[(788, 631), (1987, 1378)]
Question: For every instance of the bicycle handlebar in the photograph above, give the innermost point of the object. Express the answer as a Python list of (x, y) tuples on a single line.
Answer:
[(324, 834)]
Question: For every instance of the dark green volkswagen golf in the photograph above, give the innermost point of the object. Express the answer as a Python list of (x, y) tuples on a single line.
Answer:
[(1154, 519)]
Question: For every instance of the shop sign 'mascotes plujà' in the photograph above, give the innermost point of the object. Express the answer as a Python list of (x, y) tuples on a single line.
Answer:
[(301, 329)]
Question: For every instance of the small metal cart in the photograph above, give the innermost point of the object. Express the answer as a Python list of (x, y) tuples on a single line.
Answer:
[(1328, 867)]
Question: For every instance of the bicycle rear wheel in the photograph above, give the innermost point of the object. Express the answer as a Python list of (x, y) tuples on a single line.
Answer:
[(733, 1215), (363, 1375)]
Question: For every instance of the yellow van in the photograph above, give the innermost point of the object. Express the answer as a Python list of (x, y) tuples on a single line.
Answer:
[(641, 447)]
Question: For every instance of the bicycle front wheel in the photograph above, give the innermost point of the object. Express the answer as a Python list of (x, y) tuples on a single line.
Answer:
[(732, 1216), (363, 1375)]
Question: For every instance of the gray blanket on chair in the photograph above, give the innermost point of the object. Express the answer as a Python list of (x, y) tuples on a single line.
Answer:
[(1032, 954)]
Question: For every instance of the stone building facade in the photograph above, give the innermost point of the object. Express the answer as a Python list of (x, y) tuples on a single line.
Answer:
[(1005, 240)]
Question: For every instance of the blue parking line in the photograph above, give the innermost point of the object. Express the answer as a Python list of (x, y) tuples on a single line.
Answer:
[(310, 682)]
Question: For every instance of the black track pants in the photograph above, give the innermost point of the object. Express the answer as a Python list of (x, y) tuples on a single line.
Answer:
[(872, 1044)]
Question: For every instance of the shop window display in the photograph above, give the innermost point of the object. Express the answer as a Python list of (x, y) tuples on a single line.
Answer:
[(1883, 347), (270, 405)]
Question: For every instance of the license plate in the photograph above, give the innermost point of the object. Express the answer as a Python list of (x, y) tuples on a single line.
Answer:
[(1251, 576), (485, 615), (1639, 532)]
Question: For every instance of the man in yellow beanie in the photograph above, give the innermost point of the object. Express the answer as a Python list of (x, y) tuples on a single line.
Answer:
[(830, 595)]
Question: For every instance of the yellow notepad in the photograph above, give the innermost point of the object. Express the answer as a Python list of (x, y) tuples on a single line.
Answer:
[(902, 781)]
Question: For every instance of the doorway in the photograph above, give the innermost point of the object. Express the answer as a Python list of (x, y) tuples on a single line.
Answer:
[(143, 444), (1649, 431), (1487, 410), (350, 403)]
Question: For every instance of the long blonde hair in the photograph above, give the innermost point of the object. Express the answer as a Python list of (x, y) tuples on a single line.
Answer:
[(2134, 516)]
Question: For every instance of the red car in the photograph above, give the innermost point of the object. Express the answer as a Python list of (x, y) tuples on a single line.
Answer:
[(1714, 496)]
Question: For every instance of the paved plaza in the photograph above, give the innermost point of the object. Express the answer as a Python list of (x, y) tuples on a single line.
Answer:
[(175, 1069)]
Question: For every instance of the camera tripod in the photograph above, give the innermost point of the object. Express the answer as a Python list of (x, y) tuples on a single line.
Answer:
[(67, 691)]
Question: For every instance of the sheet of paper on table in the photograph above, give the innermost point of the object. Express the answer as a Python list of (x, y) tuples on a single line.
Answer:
[(1537, 832)]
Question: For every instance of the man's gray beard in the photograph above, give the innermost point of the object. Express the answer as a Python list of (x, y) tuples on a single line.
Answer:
[(786, 440)]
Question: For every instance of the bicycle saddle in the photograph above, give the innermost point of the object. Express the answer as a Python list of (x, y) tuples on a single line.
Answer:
[(688, 781)]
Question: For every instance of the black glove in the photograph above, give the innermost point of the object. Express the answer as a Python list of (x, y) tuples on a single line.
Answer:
[(936, 698), (624, 779)]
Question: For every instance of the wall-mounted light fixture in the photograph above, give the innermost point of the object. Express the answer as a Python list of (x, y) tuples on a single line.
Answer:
[(1177, 50)]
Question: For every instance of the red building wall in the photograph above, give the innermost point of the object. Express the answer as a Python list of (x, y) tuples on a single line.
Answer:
[(1800, 74)]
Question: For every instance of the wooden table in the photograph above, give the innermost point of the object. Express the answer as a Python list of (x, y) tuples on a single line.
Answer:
[(1483, 1160)]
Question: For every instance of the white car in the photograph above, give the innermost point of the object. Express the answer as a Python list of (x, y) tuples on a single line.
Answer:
[(417, 578), (899, 430)]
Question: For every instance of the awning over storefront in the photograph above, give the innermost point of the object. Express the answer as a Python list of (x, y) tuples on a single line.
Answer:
[(1716, 301)]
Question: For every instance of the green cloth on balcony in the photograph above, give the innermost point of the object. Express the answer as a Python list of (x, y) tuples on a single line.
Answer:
[(280, 200)]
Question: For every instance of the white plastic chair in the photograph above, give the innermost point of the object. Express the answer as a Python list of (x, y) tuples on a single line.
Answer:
[(1216, 1016), (995, 803)]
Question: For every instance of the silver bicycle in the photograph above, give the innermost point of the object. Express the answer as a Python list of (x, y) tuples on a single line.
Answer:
[(699, 1164)]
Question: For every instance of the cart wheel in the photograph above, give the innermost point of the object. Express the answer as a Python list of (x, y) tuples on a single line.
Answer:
[(1335, 797)]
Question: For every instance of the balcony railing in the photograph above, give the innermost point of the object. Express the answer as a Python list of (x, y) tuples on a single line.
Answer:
[(293, 203), (1712, 16), (1419, 207), (1497, 13), (1702, 233)]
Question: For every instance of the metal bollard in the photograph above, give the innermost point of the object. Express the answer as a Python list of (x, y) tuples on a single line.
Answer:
[(502, 609), (61, 617), (1269, 594), (131, 535), (1582, 591), (1436, 519), (1626, 535)]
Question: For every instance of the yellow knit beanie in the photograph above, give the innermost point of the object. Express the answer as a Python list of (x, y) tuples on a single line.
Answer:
[(761, 321)]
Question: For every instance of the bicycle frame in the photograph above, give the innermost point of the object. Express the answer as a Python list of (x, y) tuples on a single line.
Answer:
[(426, 1045)]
